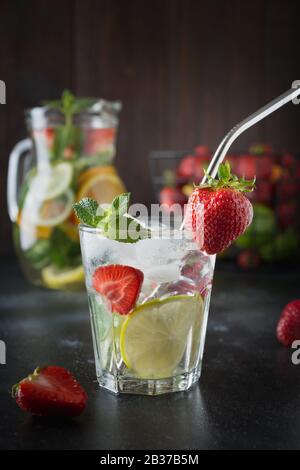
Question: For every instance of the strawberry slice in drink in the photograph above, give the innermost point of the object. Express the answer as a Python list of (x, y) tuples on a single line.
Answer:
[(119, 285)]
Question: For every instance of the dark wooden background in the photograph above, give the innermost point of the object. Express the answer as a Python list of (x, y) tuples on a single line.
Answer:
[(185, 70)]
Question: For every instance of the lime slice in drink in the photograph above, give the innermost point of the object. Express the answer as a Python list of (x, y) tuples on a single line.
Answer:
[(56, 278), (52, 182), (155, 336)]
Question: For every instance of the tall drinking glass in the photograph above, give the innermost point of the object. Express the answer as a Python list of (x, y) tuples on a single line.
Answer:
[(158, 347)]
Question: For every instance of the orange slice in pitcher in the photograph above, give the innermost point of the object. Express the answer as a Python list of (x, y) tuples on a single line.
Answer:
[(101, 186), (95, 170)]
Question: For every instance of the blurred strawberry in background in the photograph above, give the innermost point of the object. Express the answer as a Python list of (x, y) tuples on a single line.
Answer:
[(170, 194), (288, 187), (264, 192), (250, 166), (257, 163), (248, 259), (289, 161), (274, 233), (190, 169), (287, 213)]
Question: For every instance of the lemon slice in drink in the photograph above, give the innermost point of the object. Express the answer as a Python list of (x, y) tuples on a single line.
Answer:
[(155, 336), (56, 278)]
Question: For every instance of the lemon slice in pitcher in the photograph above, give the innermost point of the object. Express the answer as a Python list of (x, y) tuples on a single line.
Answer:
[(51, 183), (56, 278), (48, 212), (55, 211), (155, 336)]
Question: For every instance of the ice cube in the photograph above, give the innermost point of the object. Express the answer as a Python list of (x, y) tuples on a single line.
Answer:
[(160, 274), (98, 250), (153, 252), (126, 254), (198, 267), (179, 287), (95, 249)]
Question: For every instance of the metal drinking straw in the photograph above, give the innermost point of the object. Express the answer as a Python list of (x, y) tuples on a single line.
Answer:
[(237, 130), (244, 125)]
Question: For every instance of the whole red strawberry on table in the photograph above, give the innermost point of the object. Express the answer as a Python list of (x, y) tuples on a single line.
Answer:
[(288, 328), (50, 391)]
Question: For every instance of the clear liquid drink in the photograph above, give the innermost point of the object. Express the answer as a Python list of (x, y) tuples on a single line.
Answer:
[(158, 346)]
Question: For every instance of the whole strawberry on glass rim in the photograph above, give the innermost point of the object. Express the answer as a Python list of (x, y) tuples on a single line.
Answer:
[(226, 211)]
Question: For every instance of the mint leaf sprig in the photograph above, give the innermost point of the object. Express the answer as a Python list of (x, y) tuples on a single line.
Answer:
[(67, 136), (227, 180), (86, 211), (115, 222), (69, 105)]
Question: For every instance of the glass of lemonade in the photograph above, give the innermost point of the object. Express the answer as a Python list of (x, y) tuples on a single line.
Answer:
[(157, 346)]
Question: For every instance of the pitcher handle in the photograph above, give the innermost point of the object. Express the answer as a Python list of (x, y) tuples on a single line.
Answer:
[(12, 188)]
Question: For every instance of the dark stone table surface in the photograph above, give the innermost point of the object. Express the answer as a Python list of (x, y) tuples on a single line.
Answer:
[(248, 396)]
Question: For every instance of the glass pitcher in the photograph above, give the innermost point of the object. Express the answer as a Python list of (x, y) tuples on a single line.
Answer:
[(65, 159)]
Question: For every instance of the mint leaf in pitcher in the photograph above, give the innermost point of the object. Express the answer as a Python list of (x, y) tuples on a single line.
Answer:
[(69, 104), (68, 136)]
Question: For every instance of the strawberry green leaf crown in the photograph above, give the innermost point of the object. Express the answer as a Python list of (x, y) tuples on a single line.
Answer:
[(227, 180)]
